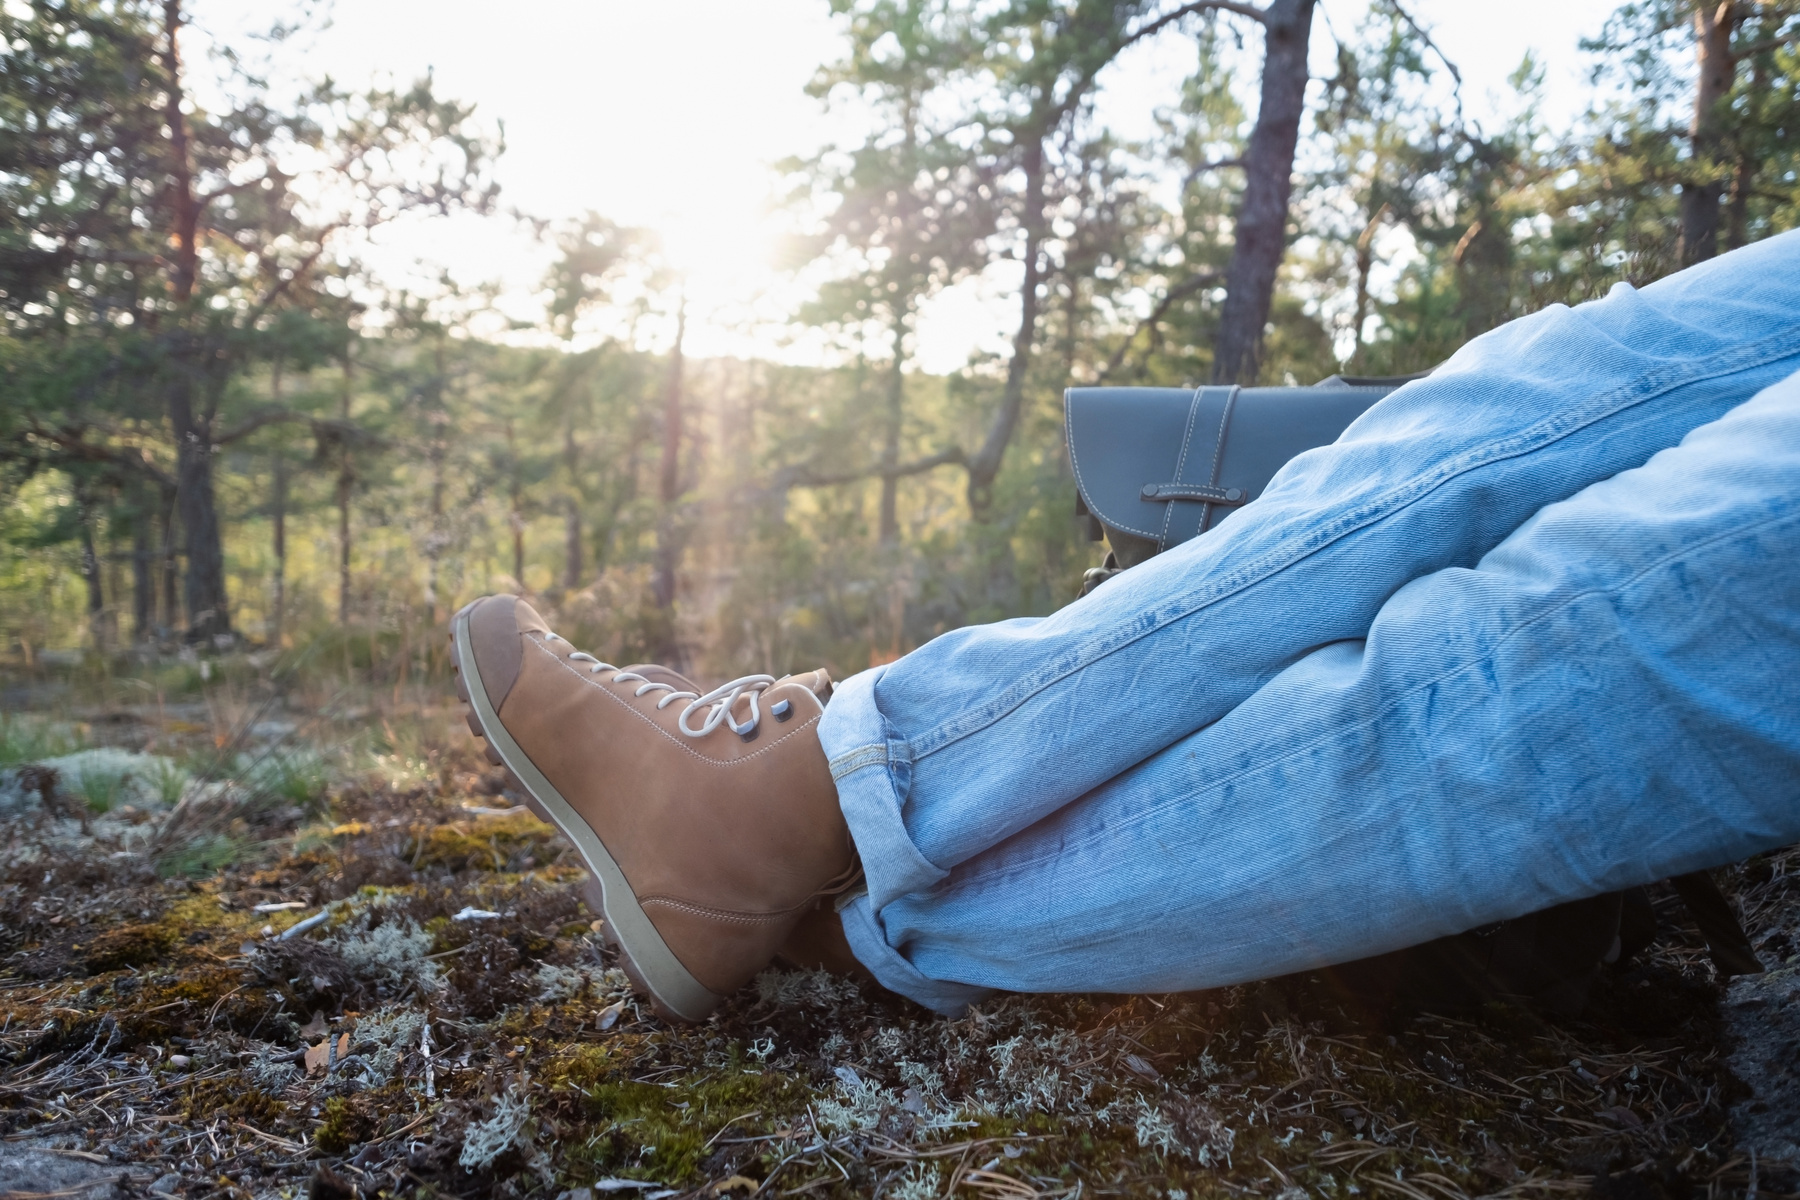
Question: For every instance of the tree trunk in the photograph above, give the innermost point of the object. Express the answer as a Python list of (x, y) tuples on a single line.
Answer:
[(515, 517), (1261, 233), (90, 571), (143, 579), (208, 609), (668, 550), (984, 467), (1743, 176), (571, 507), (185, 262), (278, 518), (1365, 263), (890, 442), (1701, 194), (438, 423), (346, 480), (171, 605)]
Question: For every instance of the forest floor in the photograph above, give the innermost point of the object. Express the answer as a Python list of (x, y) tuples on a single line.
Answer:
[(236, 962)]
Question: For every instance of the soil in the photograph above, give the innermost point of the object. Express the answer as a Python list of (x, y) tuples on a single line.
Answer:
[(159, 1035)]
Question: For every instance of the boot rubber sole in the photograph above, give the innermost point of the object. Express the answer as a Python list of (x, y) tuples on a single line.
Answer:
[(643, 955)]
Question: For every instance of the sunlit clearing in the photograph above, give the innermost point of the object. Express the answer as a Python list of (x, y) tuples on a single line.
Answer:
[(723, 247)]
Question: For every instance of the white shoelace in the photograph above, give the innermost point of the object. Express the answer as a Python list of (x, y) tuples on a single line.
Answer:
[(721, 698)]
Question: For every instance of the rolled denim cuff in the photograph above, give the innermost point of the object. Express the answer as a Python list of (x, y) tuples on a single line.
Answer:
[(862, 927), (872, 766)]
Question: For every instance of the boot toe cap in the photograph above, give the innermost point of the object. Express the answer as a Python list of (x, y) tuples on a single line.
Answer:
[(496, 627)]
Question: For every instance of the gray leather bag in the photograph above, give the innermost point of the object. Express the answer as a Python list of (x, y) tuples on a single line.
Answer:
[(1157, 466)]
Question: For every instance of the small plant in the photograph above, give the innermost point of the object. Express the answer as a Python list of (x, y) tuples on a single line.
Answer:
[(106, 777), (297, 776), (168, 780), (24, 739), (198, 857), (100, 787)]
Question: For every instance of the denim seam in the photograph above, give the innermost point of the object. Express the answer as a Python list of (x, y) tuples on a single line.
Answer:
[(1646, 387), (852, 761), (1112, 832)]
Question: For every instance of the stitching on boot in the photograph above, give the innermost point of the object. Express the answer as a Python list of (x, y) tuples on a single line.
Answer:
[(725, 914)]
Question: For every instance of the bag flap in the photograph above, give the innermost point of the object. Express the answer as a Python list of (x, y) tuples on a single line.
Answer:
[(1207, 440)]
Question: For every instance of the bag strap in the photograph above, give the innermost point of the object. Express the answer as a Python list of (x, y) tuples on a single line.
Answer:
[(1210, 452)]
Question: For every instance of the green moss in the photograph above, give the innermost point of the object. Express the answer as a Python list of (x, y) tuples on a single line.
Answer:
[(654, 1132), (231, 1097), (343, 1126), (127, 946), (579, 1068), (487, 844)]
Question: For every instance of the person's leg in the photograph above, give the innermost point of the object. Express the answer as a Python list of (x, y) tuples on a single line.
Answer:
[(1610, 697), (986, 731)]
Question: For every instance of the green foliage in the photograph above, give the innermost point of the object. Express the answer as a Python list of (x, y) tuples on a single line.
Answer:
[(297, 776), (377, 463), (199, 857), (26, 739)]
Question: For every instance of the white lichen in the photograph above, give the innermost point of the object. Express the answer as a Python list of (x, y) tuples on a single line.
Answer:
[(556, 984), (859, 1108), (804, 989), (920, 1182), (392, 953), (384, 1038), (485, 1141)]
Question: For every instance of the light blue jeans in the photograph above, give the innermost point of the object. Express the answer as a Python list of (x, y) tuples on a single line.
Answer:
[(1528, 632)]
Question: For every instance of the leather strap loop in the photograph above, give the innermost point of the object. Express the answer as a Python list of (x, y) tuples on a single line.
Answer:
[(1209, 493), (1189, 491)]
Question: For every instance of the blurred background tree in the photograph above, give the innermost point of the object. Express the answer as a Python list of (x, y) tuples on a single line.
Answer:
[(223, 428)]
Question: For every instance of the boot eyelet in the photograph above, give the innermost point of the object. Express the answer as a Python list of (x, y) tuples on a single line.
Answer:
[(749, 735), (781, 710)]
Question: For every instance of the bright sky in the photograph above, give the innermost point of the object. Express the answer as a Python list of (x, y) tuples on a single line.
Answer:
[(669, 115)]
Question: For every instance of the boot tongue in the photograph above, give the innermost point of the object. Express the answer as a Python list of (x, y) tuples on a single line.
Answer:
[(817, 682)]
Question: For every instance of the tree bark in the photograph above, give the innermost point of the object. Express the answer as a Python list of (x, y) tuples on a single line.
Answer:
[(171, 604), (1700, 195), (184, 266), (90, 571), (208, 608), (1261, 233), (889, 529), (984, 466)]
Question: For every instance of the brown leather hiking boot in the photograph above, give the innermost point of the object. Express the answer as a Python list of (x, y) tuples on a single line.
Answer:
[(709, 824)]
